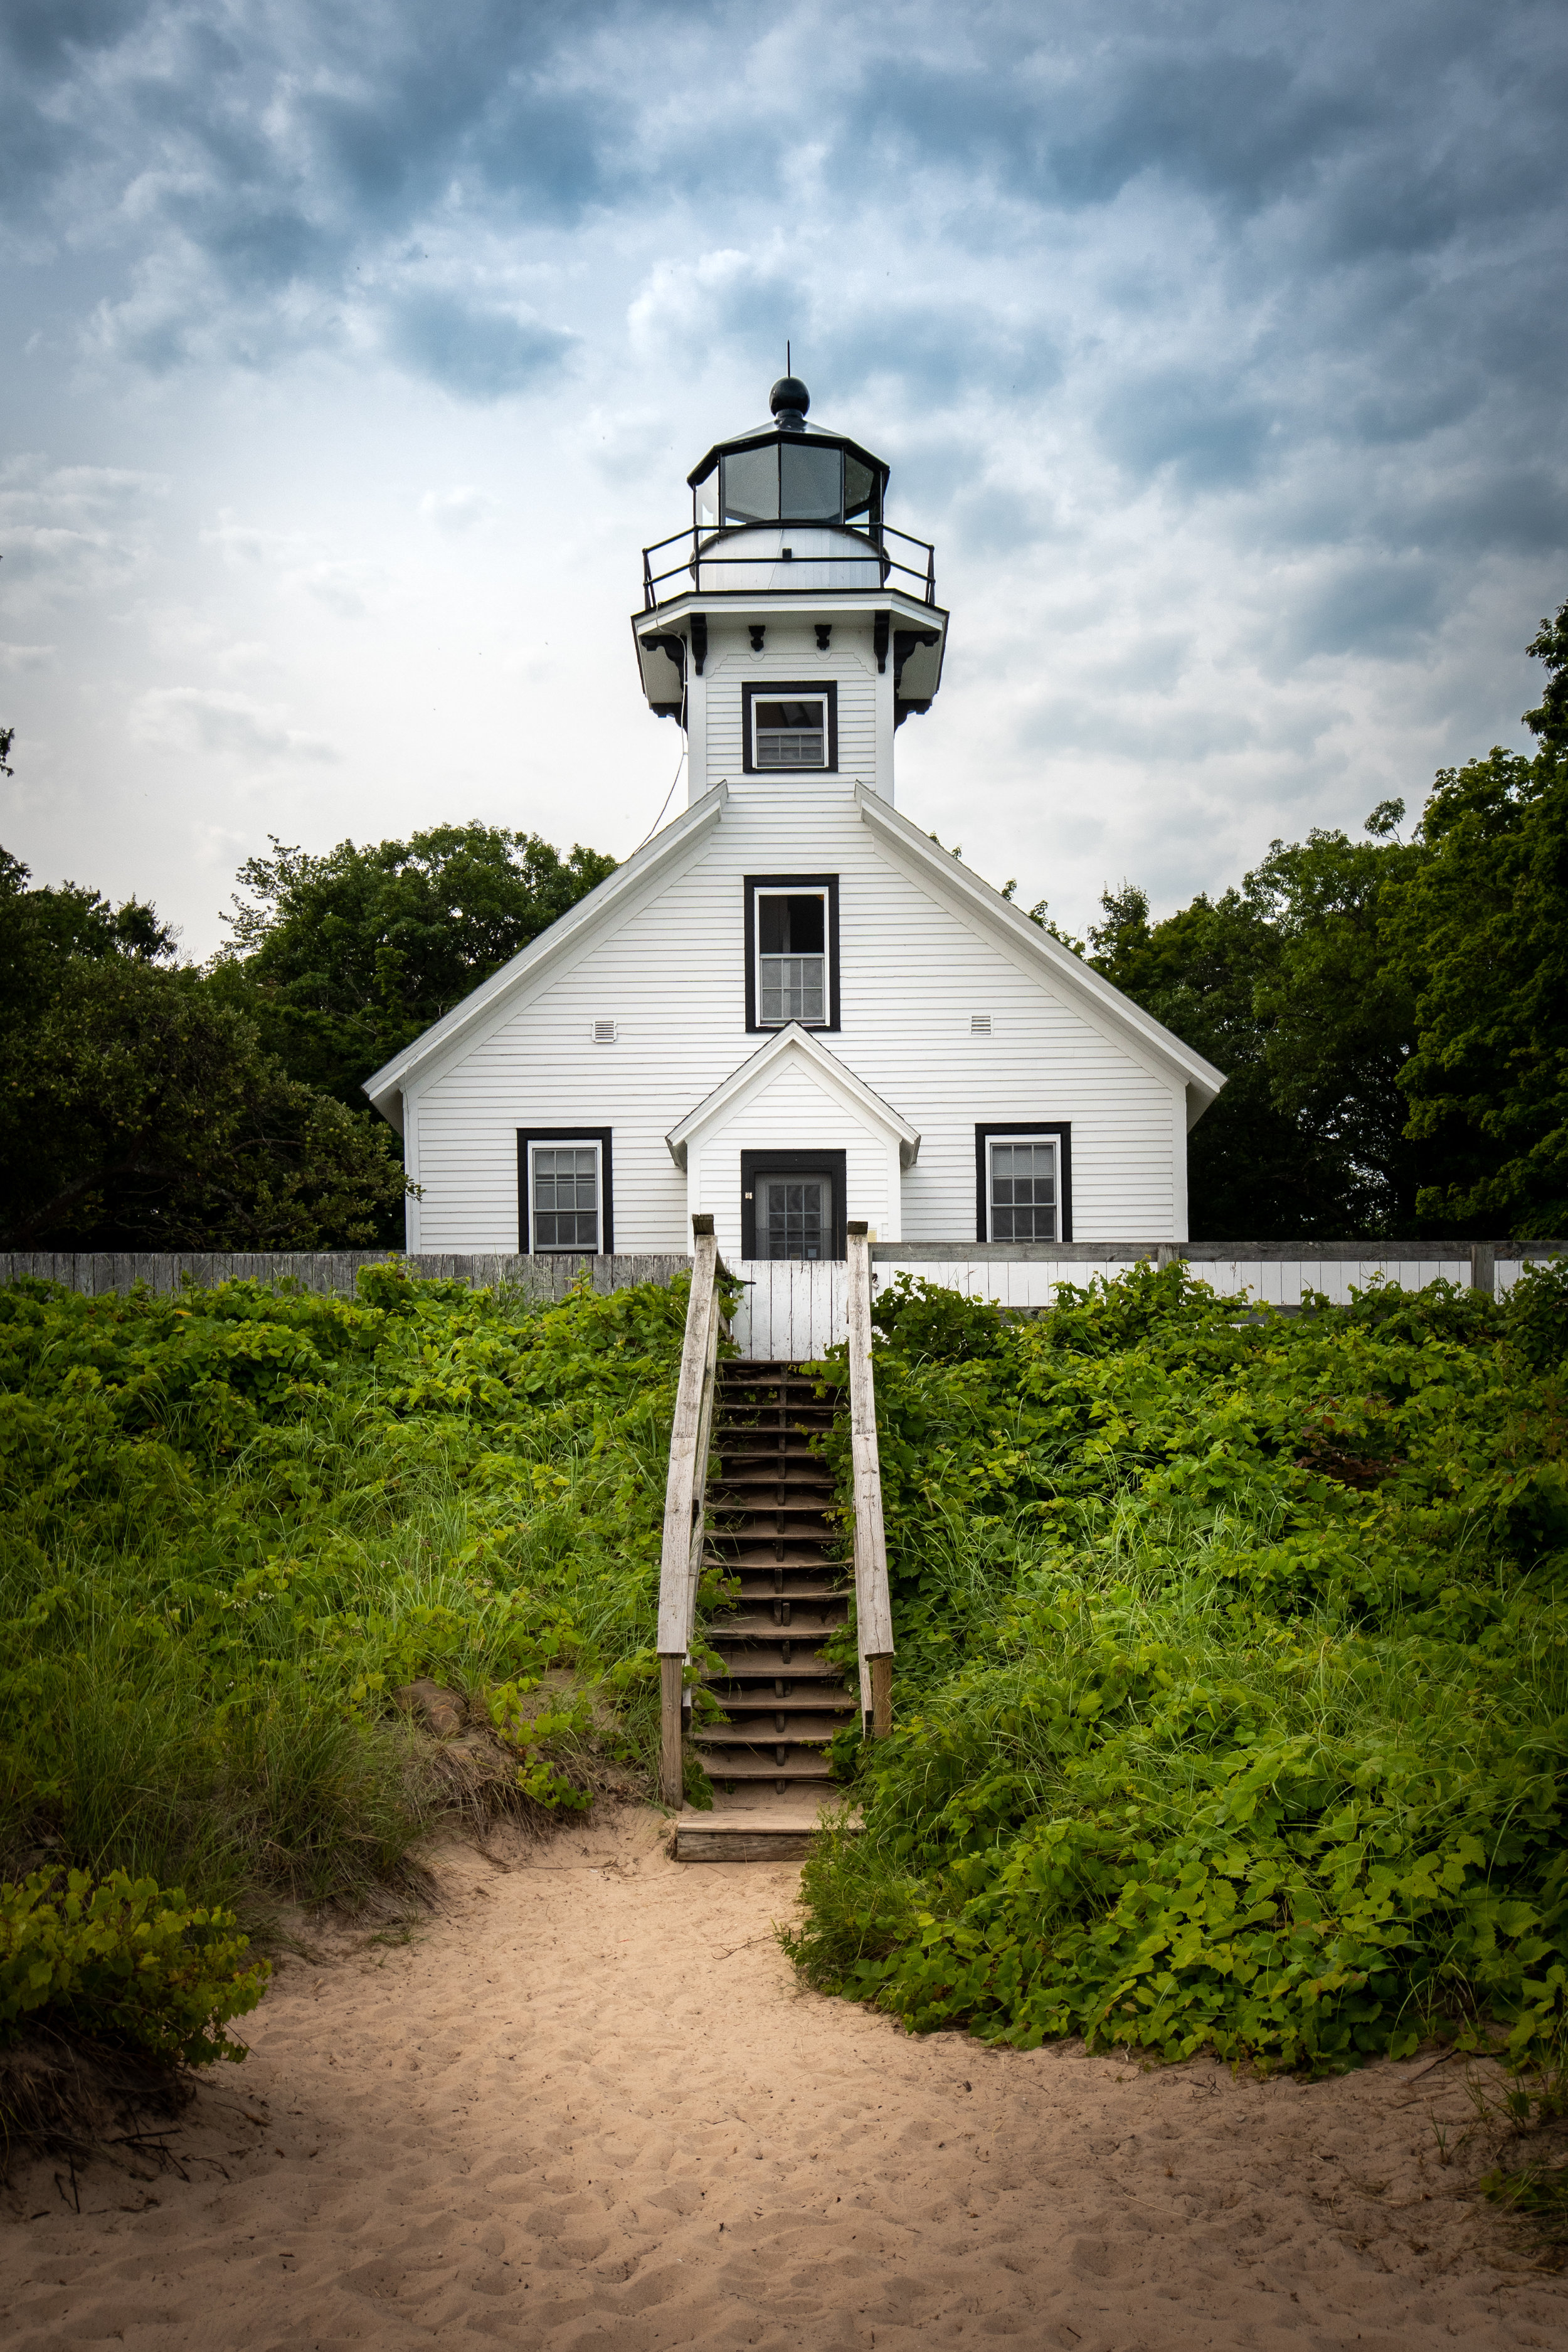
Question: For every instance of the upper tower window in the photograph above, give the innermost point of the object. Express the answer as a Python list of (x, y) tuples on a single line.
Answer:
[(789, 734), (790, 726)]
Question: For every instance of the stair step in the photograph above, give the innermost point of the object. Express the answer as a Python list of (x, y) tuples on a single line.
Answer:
[(754, 1829), (810, 1767), (791, 1593)]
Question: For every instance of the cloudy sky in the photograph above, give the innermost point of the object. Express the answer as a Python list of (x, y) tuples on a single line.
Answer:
[(352, 352)]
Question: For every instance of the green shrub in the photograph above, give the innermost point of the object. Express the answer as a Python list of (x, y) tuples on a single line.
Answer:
[(234, 1523), (121, 1960), (1536, 1312), (1231, 1667)]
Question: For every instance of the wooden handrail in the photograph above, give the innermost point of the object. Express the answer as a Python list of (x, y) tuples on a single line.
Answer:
[(685, 1501), (873, 1606)]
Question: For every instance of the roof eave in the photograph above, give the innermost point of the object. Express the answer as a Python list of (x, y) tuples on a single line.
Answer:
[(834, 1071), (1197, 1074), (393, 1076)]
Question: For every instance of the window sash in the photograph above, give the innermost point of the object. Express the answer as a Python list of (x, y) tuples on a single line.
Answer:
[(794, 1217), (790, 987), (802, 744), (790, 747), (564, 1196), (1022, 1190)]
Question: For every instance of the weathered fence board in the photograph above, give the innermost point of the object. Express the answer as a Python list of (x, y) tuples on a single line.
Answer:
[(792, 1313), (335, 1272), (789, 1313)]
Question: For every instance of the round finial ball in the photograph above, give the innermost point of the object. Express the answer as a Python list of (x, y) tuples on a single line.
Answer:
[(791, 394)]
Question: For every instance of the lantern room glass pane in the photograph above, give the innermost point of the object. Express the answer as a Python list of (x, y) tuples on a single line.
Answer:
[(811, 483), (858, 483), (751, 485)]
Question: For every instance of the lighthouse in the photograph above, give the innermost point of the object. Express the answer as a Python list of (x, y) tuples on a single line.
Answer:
[(790, 1007), (790, 628)]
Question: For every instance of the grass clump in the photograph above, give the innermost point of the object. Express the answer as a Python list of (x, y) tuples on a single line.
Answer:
[(234, 1522), (1232, 1675)]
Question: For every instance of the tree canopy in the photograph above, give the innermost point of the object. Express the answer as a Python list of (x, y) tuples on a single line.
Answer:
[(139, 1112), (343, 959), (1391, 1015)]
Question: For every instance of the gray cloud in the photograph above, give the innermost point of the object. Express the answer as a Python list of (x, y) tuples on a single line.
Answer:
[(1218, 343), (478, 353), (197, 719)]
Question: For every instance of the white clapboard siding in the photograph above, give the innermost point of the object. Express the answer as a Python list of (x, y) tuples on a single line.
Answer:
[(670, 974), (789, 656)]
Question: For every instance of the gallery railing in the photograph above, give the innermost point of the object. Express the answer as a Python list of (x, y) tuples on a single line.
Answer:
[(702, 571)]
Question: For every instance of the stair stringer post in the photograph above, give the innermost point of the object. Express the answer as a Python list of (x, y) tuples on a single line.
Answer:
[(873, 1604), (685, 1497)]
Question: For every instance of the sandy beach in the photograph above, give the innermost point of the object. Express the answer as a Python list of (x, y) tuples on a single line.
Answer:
[(588, 2103)]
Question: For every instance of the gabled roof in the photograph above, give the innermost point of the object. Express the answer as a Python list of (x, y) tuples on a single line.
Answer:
[(793, 1042), (1091, 994), (385, 1089)]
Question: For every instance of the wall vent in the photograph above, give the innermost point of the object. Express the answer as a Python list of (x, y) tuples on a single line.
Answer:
[(980, 1024), (604, 1032)]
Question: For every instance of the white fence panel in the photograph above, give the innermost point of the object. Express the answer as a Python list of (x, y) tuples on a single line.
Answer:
[(795, 1313), (1281, 1282), (791, 1313)]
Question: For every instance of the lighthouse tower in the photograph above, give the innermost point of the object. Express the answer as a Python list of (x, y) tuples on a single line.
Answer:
[(790, 628)]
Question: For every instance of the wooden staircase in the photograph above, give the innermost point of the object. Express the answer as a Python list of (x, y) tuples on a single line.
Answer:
[(765, 1519), (768, 1525)]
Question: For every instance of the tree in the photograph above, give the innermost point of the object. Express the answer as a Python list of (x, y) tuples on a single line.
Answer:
[(136, 1111), (343, 960), (1481, 936), (1282, 984), (39, 928), (1549, 720)]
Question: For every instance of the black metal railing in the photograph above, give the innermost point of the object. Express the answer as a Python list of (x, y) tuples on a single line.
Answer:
[(699, 540)]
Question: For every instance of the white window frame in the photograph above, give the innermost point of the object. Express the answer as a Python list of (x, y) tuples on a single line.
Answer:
[(1053, 1143), (791, 767), (803, 891), (567, 1143)]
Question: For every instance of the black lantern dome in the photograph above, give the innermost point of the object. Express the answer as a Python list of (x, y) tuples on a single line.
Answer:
[(788, 402), (789, 471)]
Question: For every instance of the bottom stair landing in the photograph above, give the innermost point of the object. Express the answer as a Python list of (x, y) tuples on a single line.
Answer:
[(755, 1830)]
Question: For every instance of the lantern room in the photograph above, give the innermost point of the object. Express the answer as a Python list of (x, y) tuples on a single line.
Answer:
[(791, 628), (787, 472)]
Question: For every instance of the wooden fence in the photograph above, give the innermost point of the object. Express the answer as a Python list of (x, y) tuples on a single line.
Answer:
[(797, 1310), (792, 1313), (335, 1271)]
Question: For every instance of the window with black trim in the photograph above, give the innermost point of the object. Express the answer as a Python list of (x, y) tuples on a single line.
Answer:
[(564, 1192), (1023, 1182), (792, 1205), (790, 727), (792, 950)]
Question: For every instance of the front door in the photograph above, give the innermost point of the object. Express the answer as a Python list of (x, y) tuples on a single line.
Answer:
[(794, 1217), (792, 1205)]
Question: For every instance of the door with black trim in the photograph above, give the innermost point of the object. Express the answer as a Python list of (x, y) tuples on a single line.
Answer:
[(792, 1205)]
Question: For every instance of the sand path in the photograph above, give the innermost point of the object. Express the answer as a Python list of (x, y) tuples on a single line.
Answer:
[(588, 2105)]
